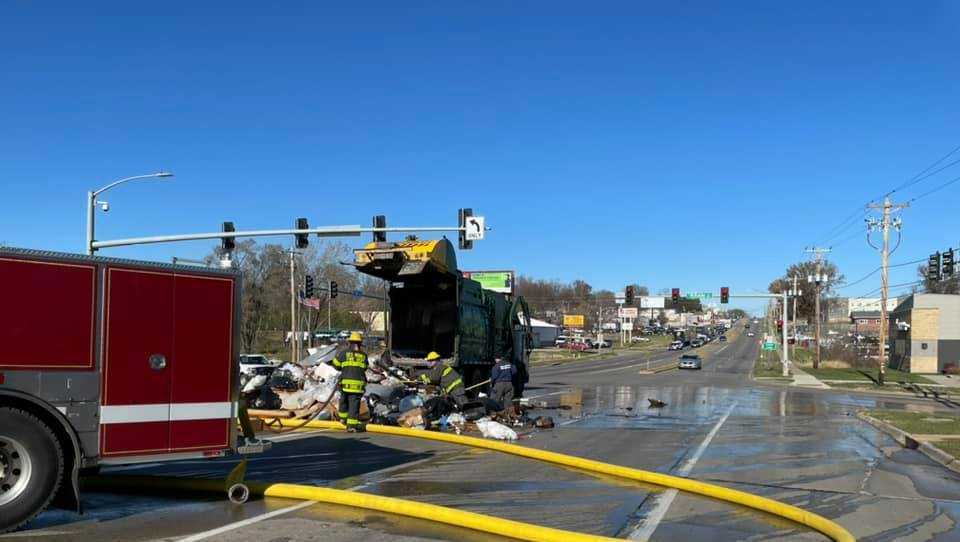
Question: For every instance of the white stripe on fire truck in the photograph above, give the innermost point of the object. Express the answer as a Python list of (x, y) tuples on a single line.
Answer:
[(166, 412)]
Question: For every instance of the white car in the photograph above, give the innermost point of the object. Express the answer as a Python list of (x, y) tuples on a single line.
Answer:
[(676, 345), (751, 334), (641, 339)]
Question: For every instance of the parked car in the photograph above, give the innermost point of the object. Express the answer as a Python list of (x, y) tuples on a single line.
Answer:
[(575, 345), (696, 343), (690, 361), (601, 344), (676, 345), (641, 339), (723, 338), (560, 341), (751, 334), (255, 364)]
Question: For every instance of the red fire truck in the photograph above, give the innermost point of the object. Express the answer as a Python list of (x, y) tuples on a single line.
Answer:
[(107, 361)]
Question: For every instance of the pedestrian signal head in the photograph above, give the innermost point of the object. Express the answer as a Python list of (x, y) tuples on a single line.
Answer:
[(355, 337), (433, 356)]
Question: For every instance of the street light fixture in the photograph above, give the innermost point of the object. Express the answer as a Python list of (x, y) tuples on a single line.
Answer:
[(92, 202)]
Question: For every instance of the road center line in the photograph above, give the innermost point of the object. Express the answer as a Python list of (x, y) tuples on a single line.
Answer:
[(665, 499)]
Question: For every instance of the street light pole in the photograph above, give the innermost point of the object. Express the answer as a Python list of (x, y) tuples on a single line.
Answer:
[(92, 203)]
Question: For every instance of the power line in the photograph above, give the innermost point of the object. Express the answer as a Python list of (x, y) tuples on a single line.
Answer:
[(940, 187), (924, 175)]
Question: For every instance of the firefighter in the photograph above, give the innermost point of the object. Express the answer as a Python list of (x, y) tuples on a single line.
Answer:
[(352, 364), (448, 379), (501, 382)]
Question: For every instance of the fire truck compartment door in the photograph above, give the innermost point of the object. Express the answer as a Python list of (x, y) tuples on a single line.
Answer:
[(201, 409), (139, 341)]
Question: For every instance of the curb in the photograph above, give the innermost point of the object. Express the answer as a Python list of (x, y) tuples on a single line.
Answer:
[(908, 441)]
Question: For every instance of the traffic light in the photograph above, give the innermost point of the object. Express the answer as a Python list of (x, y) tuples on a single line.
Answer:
[(675, 295), (462, 217), (308, 287), (303, 240), (724, 294), (779, 326), (333, 289), (628, 294), (227, 244), (933, 267), (380, 221), (947, 261)]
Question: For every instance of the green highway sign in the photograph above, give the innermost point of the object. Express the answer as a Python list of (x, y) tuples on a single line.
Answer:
[(699, 295), (769, 346)]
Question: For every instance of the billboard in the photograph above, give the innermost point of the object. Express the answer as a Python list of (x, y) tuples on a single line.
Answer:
[(573, 320), (495, 281), (647, 302), (628, 312)]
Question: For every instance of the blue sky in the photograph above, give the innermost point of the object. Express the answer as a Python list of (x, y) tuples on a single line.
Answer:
[(674, 144)]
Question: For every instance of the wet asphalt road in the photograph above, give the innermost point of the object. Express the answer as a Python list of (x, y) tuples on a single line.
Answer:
[(799, 446)]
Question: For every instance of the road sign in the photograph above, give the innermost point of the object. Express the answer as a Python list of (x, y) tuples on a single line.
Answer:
[(699, 295), (628, 312), (573, 320), (475, 228), (769, 346), (652, 302), (495, 281)]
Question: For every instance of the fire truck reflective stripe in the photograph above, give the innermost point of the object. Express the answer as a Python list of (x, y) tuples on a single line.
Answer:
[(166, 412)]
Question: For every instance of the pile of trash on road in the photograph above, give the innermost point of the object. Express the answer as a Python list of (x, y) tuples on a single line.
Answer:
[(308, 390)]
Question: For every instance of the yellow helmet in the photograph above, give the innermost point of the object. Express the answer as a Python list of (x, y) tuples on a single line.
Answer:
[(432, 356), (355, 337)]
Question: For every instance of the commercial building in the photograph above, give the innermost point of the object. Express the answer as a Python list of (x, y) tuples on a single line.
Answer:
[(544, 333), (840, 309), (925, 333)]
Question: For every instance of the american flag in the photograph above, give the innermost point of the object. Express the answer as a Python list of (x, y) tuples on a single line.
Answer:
[(312, 302)]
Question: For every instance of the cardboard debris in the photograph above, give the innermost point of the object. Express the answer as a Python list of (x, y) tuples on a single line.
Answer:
[(412, 418)]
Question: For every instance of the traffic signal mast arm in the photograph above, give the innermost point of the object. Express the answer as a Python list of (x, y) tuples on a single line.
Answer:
[(327, 231)]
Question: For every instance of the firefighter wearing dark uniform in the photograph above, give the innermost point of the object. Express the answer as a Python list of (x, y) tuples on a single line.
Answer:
[(502, 376), (446, 378), (352, 364)]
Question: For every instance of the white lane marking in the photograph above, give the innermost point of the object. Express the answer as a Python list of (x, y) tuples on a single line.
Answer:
[(722, 349), (546, 394), (249, 521), (665, 499)]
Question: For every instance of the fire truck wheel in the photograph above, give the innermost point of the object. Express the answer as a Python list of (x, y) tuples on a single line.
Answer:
[(31, 467)]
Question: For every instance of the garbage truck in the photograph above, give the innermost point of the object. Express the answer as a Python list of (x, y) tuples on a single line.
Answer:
[(434, 308), (109, 361)]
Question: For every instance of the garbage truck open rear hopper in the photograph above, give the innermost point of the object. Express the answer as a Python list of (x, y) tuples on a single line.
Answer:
[(433, 308)]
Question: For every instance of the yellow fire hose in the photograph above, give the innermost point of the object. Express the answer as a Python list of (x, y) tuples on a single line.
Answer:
[(430, 512), (771, 506)]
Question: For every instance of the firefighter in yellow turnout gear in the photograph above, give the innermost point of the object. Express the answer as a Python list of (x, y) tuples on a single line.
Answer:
[(446, 378), (352, 364)]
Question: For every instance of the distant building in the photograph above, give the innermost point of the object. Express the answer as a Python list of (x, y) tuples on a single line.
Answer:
[(925, 333), (840, 309), (866, 323)]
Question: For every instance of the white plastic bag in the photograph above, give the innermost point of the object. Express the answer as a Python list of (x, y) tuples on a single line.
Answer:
[(254, 383), (494, 430)]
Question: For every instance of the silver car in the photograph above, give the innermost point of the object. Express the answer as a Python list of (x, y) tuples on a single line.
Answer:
[(690, 361)]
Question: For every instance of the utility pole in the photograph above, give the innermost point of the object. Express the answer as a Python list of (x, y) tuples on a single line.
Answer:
[(884, 225), (293, 309), (796, 293), (816, 279)]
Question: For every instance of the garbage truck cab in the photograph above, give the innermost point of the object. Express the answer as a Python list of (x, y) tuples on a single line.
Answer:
[(434, 308)]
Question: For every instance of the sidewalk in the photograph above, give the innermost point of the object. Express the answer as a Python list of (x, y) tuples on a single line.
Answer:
[(805, 380), (944, 380)]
